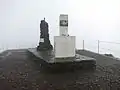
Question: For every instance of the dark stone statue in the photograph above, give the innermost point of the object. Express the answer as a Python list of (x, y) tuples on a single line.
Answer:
[(44, 43)]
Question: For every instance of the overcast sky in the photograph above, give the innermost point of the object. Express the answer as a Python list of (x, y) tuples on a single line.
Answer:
[(88, 19)]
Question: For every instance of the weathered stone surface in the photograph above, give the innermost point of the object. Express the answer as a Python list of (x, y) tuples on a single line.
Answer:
[(44, 34), (19, 71)]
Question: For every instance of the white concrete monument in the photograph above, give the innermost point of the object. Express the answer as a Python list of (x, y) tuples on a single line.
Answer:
[(64, 45)]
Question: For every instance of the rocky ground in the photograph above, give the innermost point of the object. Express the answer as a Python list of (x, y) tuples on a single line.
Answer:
[(19, 71)]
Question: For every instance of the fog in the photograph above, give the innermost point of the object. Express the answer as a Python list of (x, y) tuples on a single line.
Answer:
[(89, 20)]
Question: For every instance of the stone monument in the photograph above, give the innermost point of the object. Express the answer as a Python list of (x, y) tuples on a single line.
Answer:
[(44, 43)]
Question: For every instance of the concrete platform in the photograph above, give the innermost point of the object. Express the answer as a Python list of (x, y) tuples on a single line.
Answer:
[(48, 56)]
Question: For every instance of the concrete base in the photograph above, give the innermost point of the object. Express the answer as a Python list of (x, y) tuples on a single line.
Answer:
[(48, 56)]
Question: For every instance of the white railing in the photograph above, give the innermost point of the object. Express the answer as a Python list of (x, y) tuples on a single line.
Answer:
[(17, 46), (103, 47)]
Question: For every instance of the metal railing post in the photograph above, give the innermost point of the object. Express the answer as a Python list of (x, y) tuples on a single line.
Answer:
[(83, 44), (98, 46)]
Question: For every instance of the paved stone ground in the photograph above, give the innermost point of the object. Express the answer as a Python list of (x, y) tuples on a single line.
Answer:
[(20, 71)]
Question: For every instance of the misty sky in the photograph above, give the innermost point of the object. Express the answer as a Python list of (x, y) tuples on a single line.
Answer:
[(88, 19)]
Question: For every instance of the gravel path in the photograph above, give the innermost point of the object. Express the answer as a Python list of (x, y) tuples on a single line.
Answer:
[(18, 71)]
